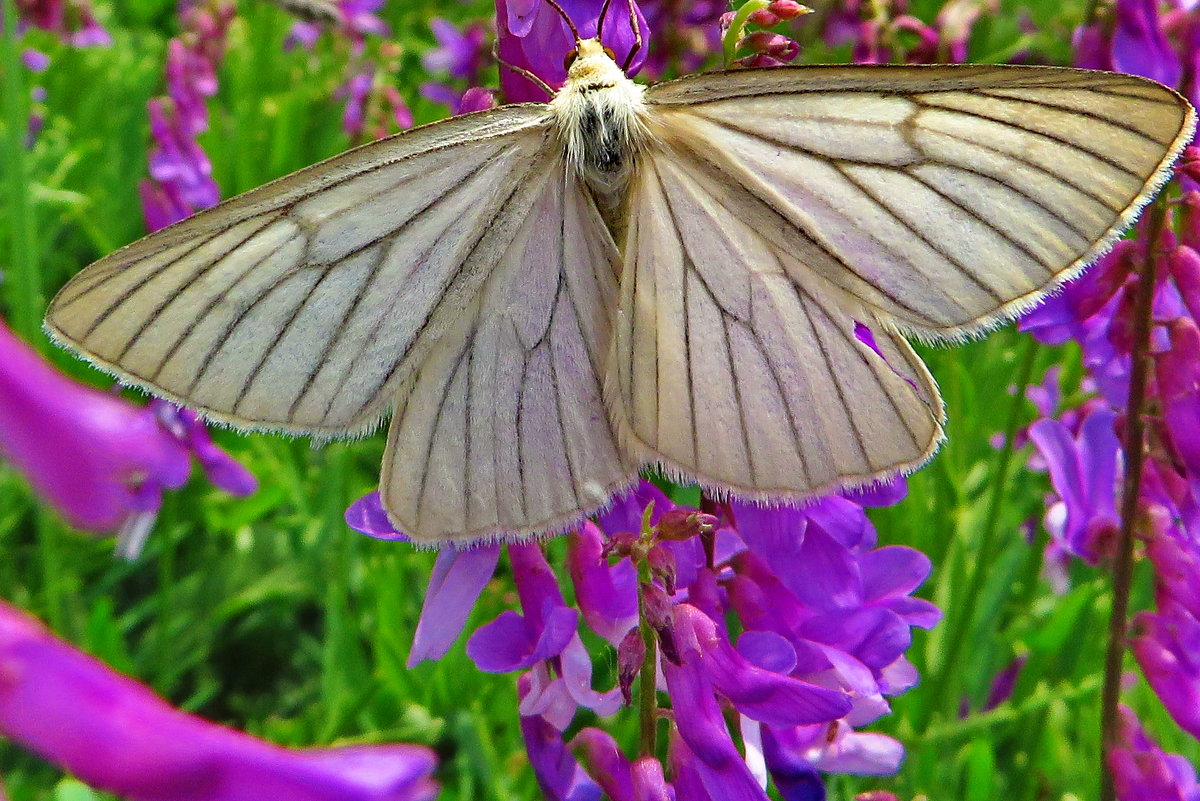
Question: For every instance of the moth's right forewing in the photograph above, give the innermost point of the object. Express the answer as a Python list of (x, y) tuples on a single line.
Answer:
[(301, 305), (947, 198)]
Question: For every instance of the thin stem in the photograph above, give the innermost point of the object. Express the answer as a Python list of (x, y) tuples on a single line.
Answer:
[(982, 563), (648, 685), (734, 34), (22, 291), (1134, 447)]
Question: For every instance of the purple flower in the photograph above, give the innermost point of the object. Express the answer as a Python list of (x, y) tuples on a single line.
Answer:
[(512, 641), (102, 462), (1084, 473), (534, 37), (558, 773), (718, 766), (460, 53), (760, 694), (72, 21), (607, 595), (180, 171), (457, 580), (373, 106), (115, 734), (1168, 651), (1139, 44), (177, 160), (603, 759), (357, 20), (1142, 771)]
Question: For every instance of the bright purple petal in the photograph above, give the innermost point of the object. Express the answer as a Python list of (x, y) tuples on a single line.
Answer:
[(366, 516), (115, 734), (457, 580)]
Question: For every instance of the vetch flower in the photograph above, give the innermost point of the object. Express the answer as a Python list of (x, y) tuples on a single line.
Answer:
[(1142, 771), (116, 735), (1084, 470), (101, 461), (558, 773), (459, 53), (181, 180), (357, 19)]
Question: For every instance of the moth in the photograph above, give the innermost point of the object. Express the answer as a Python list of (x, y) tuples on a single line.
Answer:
[(714, 275)]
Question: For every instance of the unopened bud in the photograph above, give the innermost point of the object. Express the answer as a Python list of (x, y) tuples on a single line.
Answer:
[(1189, 163), (662, 566), (660, 614), (775, 45), (683, 524), (620, 544), (756, 60), (763, 18), (630, 655), (788, 9)]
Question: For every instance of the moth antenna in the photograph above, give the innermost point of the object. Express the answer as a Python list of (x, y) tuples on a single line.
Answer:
[(637, 34), (600, 19), (524, 73), (566, 18)]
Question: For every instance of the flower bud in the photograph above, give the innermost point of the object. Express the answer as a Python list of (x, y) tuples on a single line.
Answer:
[(630, 655), (662, 566), (683, 524), (788, 9), (763, 18), (620, 544), (659, 613)]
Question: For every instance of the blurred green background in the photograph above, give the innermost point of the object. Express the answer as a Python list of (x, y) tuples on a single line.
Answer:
[(269, 614)]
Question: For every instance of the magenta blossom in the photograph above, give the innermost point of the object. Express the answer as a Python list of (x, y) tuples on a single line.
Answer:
[(102, 462), (1142, 771), (181, 180), (116, 735), (356, 20)]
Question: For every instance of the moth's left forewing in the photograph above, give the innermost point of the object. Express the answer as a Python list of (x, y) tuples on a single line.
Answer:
[(945, 198)]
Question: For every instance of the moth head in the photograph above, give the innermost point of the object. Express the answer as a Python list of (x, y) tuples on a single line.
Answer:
[(590, 57)]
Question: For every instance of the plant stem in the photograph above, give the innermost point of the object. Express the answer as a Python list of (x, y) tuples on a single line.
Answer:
[(1134, 447), (22, 290), (964, 619), (734, 35), (648, 685)]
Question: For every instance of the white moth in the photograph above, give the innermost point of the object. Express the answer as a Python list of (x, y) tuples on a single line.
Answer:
[(550, 296)]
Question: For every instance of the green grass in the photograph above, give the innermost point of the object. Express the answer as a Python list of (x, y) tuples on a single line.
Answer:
[(267, 613)]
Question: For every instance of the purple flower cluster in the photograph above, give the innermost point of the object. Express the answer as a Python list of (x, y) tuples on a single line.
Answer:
[(766, 48), (115, 734), (1144, 772), (102, 462), (74, 24), (374, 106), (822, 619), (72, 21), (356, 19), (1146, 39), (788, 624), (884, 33), (1082, 447), (462, 55), (181, 180)]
